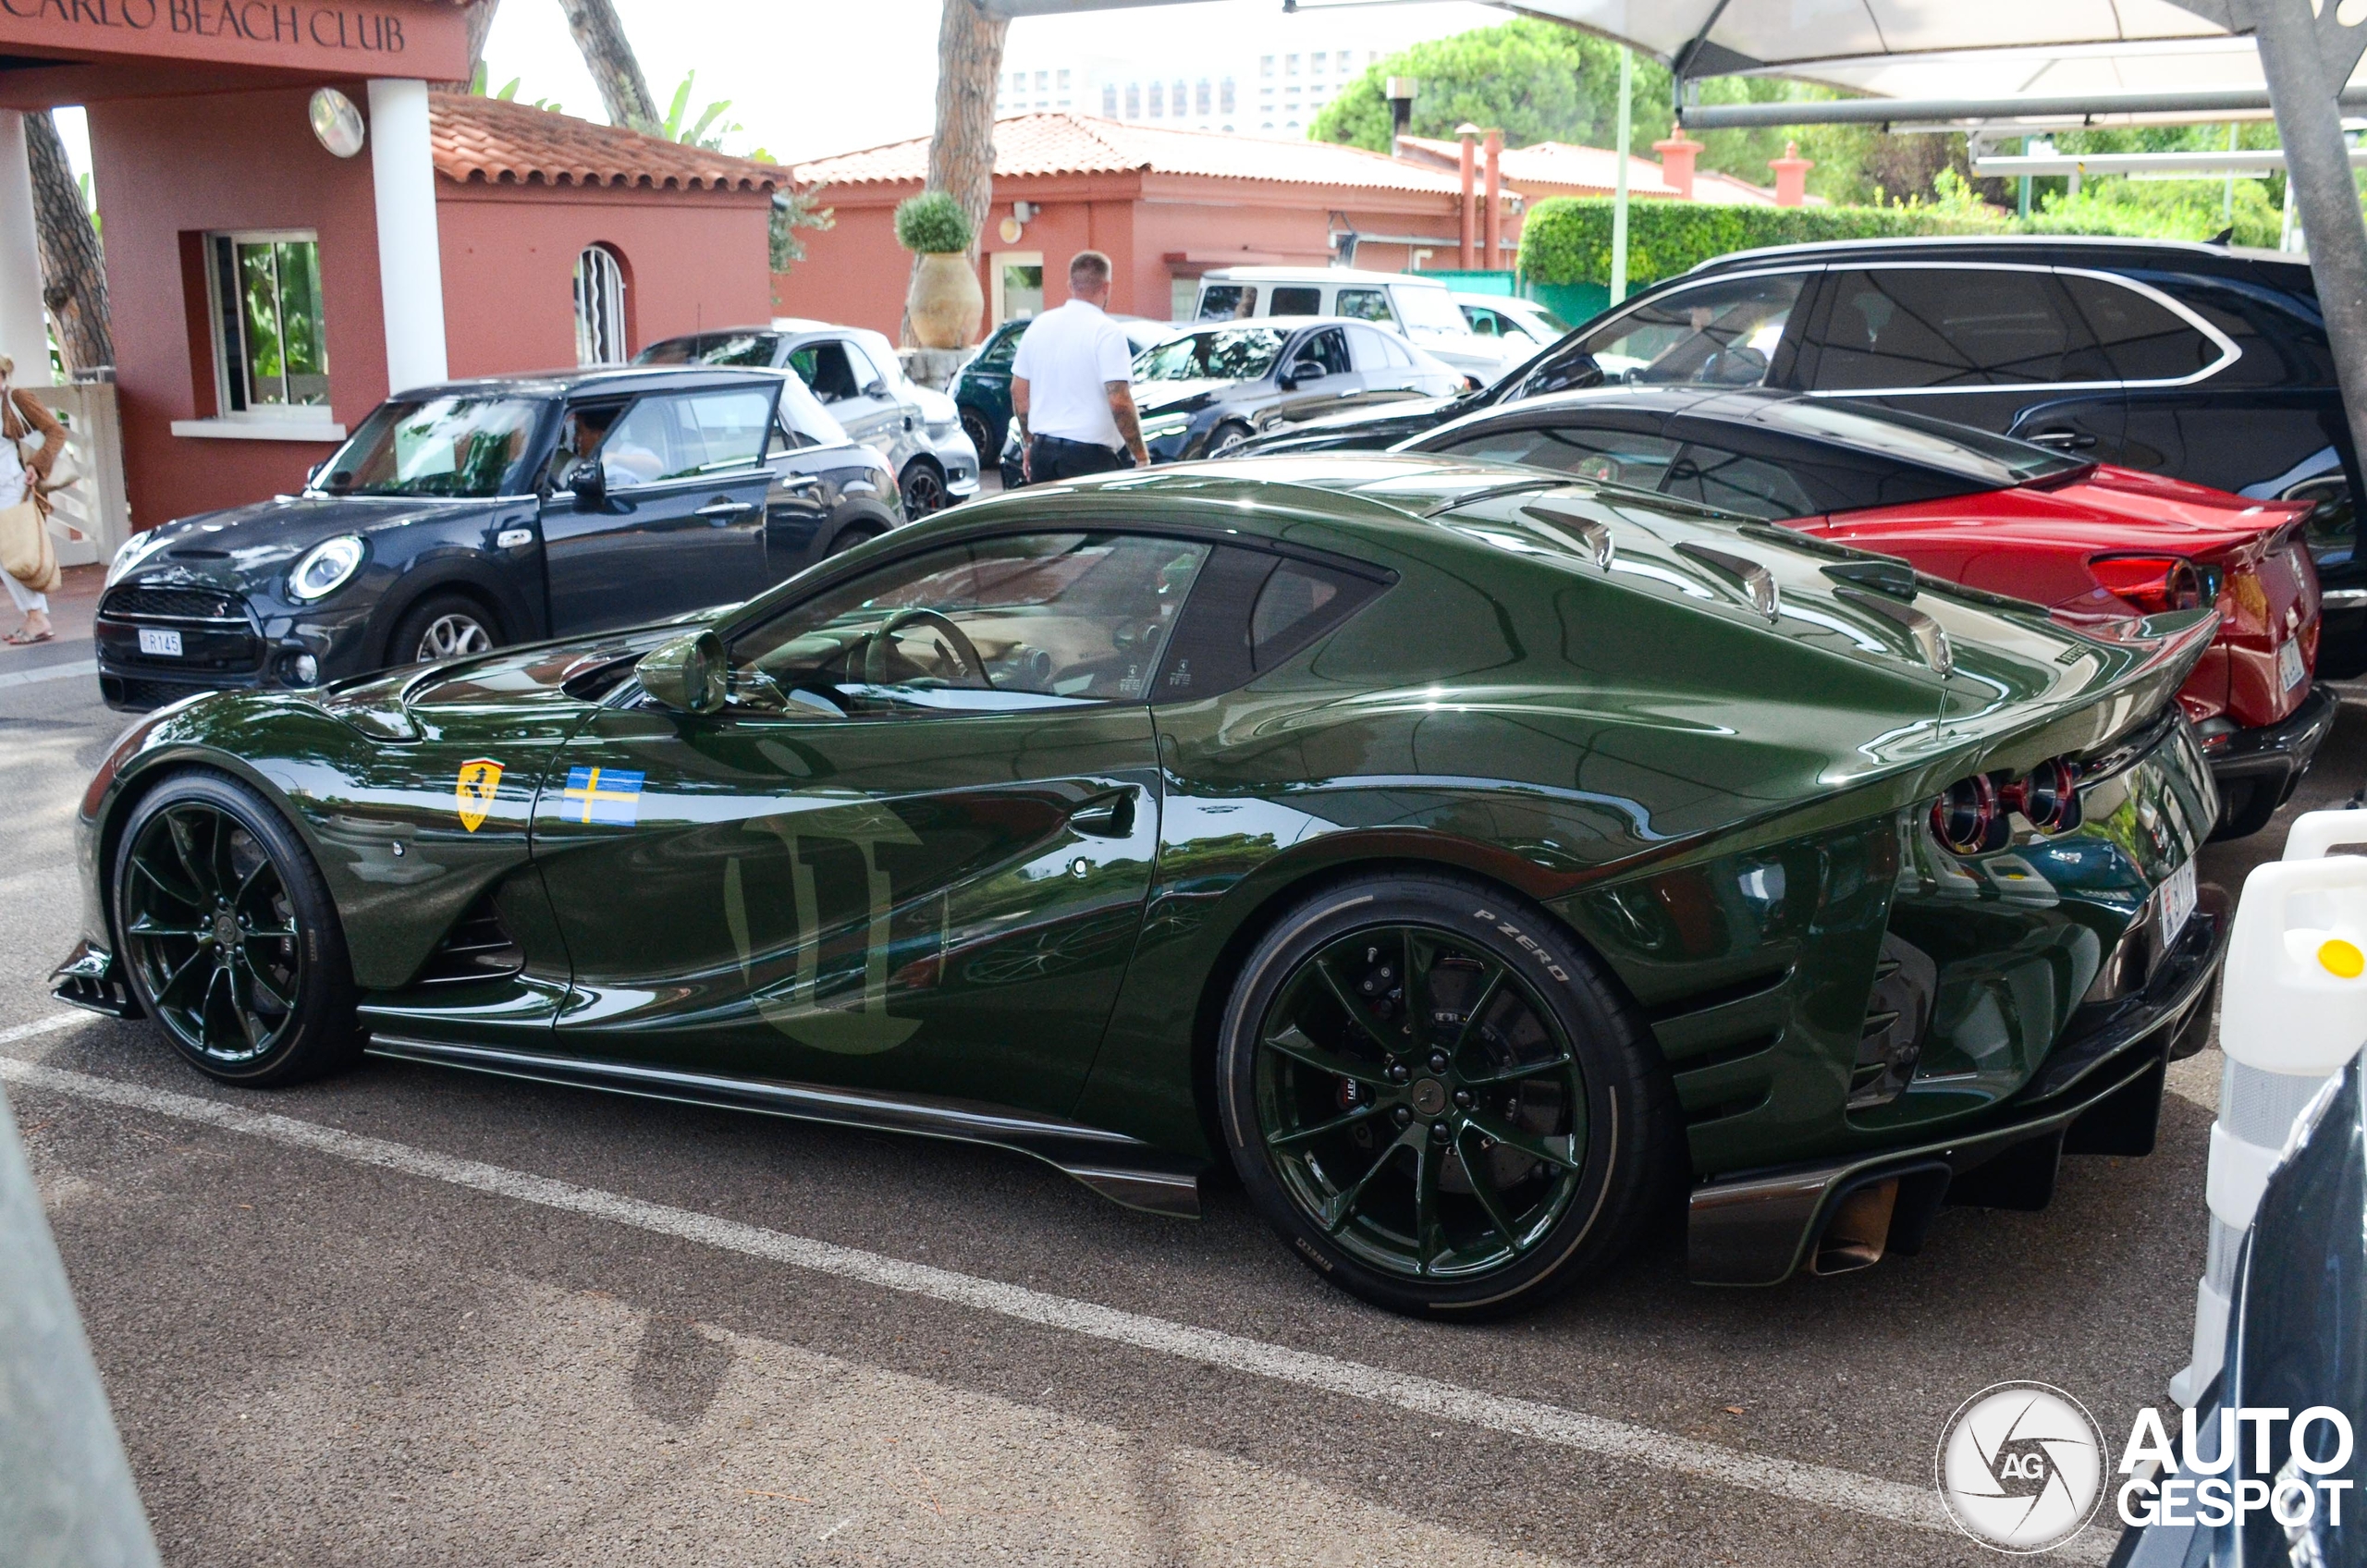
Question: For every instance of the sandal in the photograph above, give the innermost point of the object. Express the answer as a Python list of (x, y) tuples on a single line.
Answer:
[(18, 639)]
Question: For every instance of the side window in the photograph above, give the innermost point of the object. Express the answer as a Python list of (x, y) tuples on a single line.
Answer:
[(1328, 349), (1732, 482), (1369, 348), (1484, 323), (996, 625), (1364, 304), (1228, 301), (723, 430), (1251, 613), (1949, 326), (1721, 334), (1296, 300), (1605, 455), (825, 367), (2139, 339), (1000, 351)]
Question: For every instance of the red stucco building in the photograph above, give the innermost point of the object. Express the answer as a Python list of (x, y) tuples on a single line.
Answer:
[(1166, 206), (267, 292)]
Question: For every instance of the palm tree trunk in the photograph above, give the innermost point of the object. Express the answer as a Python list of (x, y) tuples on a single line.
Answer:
[(616, 70), (74, 278), (962, 153)]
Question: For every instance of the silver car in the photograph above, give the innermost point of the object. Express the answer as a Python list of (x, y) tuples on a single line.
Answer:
[(856, 376)]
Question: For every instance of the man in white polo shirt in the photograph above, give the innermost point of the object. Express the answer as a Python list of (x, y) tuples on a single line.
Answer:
[(1072, 385)]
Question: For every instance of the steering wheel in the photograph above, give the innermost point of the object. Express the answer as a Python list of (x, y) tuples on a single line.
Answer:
[(875, 650)]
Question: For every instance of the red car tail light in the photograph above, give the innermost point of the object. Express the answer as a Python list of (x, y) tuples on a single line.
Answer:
[(2048, 795), (1966, 816), (2152, 583)]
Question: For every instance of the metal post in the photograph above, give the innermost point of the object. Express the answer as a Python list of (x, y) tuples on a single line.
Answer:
[(1619, 189), (66, 1491), (2227, 208), (2025, 207), (2317, 169)]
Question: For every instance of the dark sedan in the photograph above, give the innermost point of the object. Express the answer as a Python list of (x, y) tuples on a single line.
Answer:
[(2193, 361), (982, 387), (1205, 392), (462, 516)]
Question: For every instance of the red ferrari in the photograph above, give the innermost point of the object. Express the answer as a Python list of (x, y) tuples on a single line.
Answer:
[(1988, 511)]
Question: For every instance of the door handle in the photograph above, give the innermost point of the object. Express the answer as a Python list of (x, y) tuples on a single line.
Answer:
[(2062, 440), (801, 482), (1107, 816), (719, 512), (1349, 393)]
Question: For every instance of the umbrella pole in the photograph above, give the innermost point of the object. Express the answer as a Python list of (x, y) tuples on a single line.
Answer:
[(2317, 172), (1619, 189)]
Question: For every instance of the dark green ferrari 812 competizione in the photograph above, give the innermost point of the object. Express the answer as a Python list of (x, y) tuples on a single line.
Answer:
[(1474, 861)]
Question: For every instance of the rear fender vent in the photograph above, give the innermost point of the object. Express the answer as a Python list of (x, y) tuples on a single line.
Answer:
[(477, 947), (1898, 1012)]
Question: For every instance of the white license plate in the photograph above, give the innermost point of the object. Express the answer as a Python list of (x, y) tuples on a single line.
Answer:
[(158, 641), (2178, 902), (2290, 672)]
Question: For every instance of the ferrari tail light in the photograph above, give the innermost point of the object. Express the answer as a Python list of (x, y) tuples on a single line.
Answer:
[(2048, 795), (1967, 815), (2152, 583)]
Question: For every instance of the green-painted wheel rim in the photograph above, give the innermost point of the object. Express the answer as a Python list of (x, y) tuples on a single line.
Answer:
[(1420, 1103), (208, 927)]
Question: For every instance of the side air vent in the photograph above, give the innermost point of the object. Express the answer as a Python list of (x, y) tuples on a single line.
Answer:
[(478, 947), (1897, 1013)]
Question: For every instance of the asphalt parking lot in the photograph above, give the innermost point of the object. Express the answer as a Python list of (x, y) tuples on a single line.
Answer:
[(414, 1316)]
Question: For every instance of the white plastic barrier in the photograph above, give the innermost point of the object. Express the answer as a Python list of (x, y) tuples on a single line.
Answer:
[(2292, 1012)]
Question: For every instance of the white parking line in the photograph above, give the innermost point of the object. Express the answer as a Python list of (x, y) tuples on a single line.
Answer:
[(49, 672), (1888, 1500)]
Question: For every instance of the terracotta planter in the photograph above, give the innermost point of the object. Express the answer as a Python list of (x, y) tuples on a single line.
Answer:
[(945, 302)]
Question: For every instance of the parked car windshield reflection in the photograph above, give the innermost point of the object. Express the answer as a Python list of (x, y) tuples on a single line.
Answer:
[(1232, 353), (753, 349), (464, 447)]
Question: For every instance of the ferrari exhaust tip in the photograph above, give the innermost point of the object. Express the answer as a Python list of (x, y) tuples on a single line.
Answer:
[(1854, 1236)]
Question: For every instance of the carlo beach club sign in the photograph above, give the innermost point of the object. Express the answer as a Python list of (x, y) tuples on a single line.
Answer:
[(270, 33)]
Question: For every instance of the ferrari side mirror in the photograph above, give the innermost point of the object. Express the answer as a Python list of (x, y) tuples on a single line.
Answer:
[(689, 674)]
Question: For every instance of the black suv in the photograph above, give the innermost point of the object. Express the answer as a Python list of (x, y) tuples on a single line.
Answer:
[(2199, 361), (498, 511)]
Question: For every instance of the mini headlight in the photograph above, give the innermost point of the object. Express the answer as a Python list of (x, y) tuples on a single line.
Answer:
[(133, 551), (323, 569)]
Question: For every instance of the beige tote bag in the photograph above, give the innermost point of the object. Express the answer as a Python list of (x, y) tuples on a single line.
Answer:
[(26, 553)]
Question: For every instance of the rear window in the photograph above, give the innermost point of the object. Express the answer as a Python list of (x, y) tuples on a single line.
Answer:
[(1989, 461), (750, 348), (1946, 327)]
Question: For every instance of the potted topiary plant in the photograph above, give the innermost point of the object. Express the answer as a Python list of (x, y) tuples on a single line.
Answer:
[(945, 301)]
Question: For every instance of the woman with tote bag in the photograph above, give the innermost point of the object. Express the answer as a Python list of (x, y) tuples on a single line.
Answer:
[(28, 560)]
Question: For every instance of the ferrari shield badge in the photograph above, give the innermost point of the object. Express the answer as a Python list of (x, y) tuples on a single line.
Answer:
[(479, 776)]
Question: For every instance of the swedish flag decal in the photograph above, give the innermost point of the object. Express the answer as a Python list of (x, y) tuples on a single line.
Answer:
[(610, 795)]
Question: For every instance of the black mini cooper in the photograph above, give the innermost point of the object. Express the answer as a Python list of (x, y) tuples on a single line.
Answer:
[(462, 516)]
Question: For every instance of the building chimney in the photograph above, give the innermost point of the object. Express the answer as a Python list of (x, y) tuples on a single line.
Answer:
[(1494, 227), (1676, 163), (1468, 238), (1791, 176), (1401, 108)]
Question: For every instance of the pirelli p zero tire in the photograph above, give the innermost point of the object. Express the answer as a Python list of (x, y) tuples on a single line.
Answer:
[(1437, 1100), (229, 936)]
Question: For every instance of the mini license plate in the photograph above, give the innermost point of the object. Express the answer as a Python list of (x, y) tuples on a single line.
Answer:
[(160, 641), (2178, 902), (2290, 672)]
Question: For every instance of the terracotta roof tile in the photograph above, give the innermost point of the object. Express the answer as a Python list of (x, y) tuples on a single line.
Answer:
[(1072, 144), (492, 140)]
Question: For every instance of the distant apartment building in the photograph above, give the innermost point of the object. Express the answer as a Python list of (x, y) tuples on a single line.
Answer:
[(1272, 85)]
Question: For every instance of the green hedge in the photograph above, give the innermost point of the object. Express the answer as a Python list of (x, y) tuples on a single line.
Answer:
[(1567, 239)]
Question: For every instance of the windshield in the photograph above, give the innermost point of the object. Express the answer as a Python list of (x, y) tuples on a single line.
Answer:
[(1232, 353), (754, 348), (466, 446), (1430, 311), (1997, 461)]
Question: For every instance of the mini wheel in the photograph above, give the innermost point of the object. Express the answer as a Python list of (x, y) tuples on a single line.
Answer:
[(443, 626), (1435, 1098), (229, 936)]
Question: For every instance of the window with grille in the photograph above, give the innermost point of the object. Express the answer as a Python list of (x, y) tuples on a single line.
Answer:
[(270, 338), (600, 307)]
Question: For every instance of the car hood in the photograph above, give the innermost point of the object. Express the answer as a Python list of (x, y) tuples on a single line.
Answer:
[(241, 546)]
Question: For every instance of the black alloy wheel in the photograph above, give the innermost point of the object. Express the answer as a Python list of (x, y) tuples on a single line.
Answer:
[(228, 935), (974, 425), (1227, 436), (1430, 1093), (923, 488)]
